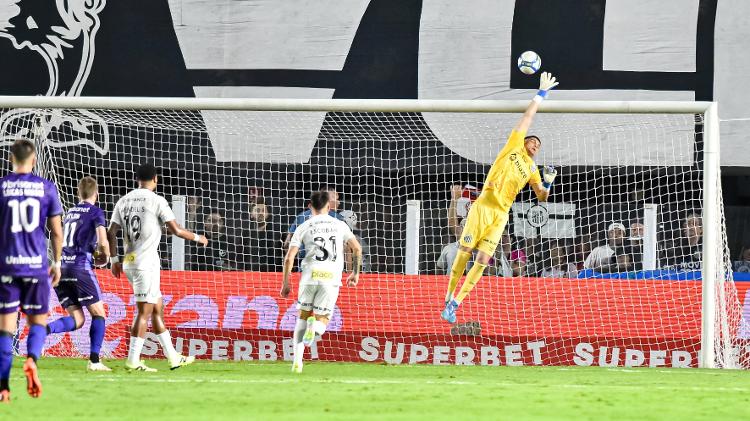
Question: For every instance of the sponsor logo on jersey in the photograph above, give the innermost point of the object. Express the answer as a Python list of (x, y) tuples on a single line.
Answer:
[(23, 260), (321, 275), (515, 159)]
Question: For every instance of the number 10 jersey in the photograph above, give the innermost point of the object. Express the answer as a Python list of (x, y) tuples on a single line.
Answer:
[(324, 238), (141, 214)]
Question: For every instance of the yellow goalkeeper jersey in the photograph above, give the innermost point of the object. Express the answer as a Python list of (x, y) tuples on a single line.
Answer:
[(512, 170)]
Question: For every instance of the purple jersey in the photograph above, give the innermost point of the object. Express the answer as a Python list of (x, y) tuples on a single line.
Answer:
[(26, 201), (79, 235)]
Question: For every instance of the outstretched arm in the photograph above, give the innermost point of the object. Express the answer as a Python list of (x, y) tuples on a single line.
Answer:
[(546, 82)]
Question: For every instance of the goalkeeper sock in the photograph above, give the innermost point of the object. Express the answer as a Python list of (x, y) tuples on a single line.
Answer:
[(475, 273), (134, 352), (165, 339), (457, 271)]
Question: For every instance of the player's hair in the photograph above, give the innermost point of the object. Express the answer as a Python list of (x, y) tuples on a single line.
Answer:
[(87, 188), (145, 172), (319, 199), (532, 137), (22, 150)]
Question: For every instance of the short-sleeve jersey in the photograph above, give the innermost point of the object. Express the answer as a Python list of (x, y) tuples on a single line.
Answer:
[(324, 238), (141, 214), (26, 201), (512, 170), (307, 214), (79, 234)]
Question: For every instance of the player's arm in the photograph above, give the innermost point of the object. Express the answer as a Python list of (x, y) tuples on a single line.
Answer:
[(546, 82), (102, 241), (112, 231), (178, 231), (356, 250), (54, 224), (289, 259)]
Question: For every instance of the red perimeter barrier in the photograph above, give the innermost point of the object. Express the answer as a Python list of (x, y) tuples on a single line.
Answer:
[(395, 318)]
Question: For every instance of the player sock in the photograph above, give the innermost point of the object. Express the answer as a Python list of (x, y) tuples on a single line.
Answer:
[(299, 346), (457, 271), (6, 358), (475, 273), (96, 334), (165, 339), (299, 331), (63, 324), (319, 328), (35, 341), (134, 351)]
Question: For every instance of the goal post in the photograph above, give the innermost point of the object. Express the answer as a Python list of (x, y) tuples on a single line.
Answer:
[(393, 161)]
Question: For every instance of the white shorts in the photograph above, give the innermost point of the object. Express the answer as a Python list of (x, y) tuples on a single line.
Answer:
[(146, 285), (319, 298)]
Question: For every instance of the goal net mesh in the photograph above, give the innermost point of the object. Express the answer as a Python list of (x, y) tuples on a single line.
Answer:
[(606, 273)]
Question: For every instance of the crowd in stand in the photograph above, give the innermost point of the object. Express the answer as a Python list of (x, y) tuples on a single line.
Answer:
[(251, 237)]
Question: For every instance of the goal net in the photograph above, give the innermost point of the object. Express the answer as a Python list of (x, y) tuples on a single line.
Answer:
[(608, 272)]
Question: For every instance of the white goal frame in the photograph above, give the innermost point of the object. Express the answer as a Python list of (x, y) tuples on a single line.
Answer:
[(711, 148)]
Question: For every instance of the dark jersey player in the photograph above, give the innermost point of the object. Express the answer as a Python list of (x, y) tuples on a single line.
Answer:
[(84, 234), (27, 202)]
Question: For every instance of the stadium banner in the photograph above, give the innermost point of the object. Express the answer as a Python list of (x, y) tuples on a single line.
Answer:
[(527, 321)]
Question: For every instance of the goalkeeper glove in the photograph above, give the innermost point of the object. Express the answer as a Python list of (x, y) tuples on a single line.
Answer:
[(546, 82), (548, 173)]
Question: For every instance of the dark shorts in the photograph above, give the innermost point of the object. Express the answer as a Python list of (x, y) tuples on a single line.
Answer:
[(31, 293), (77, 287)]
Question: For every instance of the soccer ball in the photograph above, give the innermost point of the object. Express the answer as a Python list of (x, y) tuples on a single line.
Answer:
[(529, 62), (100, 259)]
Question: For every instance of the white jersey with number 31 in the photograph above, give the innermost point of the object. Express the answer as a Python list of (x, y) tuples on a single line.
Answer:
[(141, 214), (324, 238)]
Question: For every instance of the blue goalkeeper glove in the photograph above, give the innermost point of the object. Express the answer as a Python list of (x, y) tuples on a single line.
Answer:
[(546, 82), (548, 174)]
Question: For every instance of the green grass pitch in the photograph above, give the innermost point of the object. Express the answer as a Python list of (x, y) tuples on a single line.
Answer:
[(269, 391)]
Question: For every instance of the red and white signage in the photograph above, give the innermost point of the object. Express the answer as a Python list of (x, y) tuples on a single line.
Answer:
[(395, 319)]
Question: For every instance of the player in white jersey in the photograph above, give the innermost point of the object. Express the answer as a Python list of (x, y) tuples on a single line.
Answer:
[(141, 214), (324, 238)]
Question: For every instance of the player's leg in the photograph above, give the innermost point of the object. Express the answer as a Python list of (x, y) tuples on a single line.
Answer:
[(176, 360), (470, 236), (486, 249), (138, 336), (67, 296), (35, 293), (88, 295), (96, 336), (9, 301), (305, 297), (144, 308)]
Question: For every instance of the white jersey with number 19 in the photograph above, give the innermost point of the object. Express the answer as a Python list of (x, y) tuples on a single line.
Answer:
[(324, 239), (141, 214)]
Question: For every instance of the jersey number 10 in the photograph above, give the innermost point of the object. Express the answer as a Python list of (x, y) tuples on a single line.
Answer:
[(22, 219)]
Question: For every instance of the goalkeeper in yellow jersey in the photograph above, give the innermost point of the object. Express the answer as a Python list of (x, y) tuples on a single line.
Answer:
[(513, 168)]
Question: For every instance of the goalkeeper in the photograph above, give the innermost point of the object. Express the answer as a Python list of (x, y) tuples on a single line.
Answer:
[(512, 169)]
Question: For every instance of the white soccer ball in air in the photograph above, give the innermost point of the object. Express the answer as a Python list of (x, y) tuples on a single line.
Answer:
[(529, 62)]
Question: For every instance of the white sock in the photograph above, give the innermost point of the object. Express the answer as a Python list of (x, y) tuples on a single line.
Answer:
[(299, 351), (134, 351), (165, 339), (319, 327), (299, 331)]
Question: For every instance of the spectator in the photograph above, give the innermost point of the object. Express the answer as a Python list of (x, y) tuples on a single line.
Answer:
[(448, 254), (260, 252), (582, 250), (216, 255), (559, 266), (602, 258), (502, 254), (743, 262), (637, 231), (686, 252), (351, 220), (306, 214), (458, 209), (518, 262), (192, 209)]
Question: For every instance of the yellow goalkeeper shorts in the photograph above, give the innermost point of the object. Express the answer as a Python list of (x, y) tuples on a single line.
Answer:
[(484, 228)]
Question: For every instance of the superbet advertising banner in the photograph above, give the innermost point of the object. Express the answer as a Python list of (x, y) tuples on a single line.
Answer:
[(395, 319)]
